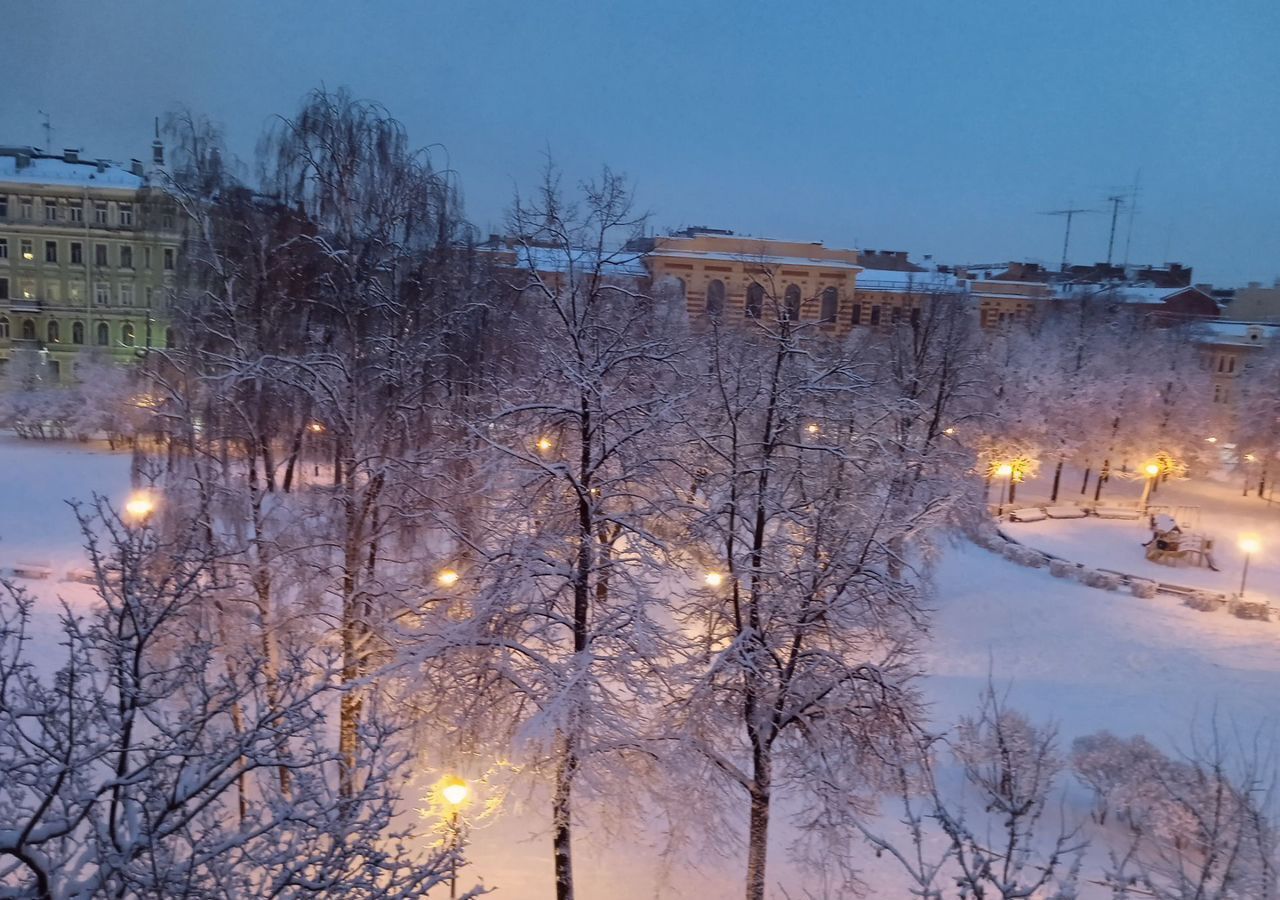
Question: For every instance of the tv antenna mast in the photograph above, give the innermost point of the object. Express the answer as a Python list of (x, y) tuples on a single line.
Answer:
[(1116, 201), (48, 130), (1070, 212)]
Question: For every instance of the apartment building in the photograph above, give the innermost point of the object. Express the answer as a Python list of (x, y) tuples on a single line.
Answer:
[(88, 258)]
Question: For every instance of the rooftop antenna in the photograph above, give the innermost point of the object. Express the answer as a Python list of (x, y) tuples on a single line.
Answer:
[(1116, 201), (1070, 213), (48, 130), (1133, 209)]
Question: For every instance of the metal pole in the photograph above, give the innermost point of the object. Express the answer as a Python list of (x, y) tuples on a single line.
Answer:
[(1244, 574), (1146, 492), (453, 862)]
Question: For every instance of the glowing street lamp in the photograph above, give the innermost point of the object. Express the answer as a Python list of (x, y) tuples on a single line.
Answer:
[(1152, 470), (1005, 471), (447, 578), (454, 792), (315, 427), (1250, 545), (713, 579), (544, 444), (139, 506), (813, 428)]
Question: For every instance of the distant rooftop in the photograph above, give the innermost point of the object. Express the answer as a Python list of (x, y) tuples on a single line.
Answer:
[(31, 165)]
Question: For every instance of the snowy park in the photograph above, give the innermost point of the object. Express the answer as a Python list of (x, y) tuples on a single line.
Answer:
[(1083, 659)]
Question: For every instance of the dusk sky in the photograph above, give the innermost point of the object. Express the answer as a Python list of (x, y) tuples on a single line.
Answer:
[(942, 128)]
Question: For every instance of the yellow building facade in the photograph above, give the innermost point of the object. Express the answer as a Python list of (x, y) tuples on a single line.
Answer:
[(88, 259)]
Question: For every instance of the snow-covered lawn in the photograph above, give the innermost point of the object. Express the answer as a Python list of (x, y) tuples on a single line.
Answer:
[(1219, 508), (1086, 658)]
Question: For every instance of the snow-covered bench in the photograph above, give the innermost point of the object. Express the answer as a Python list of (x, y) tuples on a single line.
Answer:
[(1030, 514), (1117, 512), (31, 570), (82, 576), (1064, 512)]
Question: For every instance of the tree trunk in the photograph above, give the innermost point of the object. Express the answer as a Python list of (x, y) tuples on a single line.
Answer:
[(562, 826), (758, 830), (1084, 485), (1057, 478), (1102, 476)]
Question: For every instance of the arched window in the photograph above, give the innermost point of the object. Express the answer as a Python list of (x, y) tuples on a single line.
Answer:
[(104, 334), (53, 331), (4, 326), (792, 297), (28, 330), (830, 304), (715, 299), (126, 334), (77, 332), (755, 300)]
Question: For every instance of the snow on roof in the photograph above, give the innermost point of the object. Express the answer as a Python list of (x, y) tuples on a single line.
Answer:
[(56, 170), (897, 280), (1239, 332), (557, 259), (758, 258)]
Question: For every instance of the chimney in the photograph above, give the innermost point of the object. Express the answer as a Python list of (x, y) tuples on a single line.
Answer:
[(102, 165), (157, 148), (71, 154), (135, 166)]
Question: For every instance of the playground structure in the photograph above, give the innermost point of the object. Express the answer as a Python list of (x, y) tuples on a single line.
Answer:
[(1172, 545)]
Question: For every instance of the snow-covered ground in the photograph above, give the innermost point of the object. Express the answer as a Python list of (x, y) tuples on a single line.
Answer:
[(1087, 659)]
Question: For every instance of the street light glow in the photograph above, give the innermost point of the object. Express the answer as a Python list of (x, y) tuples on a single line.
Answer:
[(455, 792), (714, 579), (1152, 470), (948, 431), (1250, 544), (447, 578), (1212, 440), (1004, 470), (139, 506), (316, 427), (812, 428), (544, 444)]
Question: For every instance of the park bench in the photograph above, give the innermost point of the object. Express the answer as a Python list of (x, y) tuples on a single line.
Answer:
[(1030, 514), (1064, 512)]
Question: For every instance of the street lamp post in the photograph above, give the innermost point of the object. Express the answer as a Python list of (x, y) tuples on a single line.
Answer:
[(1151, 470), (455, 793), (1005, 471), (1250, 545)]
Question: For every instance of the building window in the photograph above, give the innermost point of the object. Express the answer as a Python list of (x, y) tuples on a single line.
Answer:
[(855, 317), (4, 288), (124, 212), (915, 317), (4, 206), (830, 304), (28, 330), (100, 213), (26, 207), (168, 259), (28, 250), (104, 334), (4, 326), (77, 332), (146, 258), (75, 212), (151, 297), (4, 248), (100, 254), (50, 210), (126, 334), (791, 305), (54, 369), (53, 332), (126, 256), (75, 290), (875, 315), (168, 221), (51, 291), (77, 253), (102, 294), (169, 338), (715, 299), (126, 295), (895, 314), (51, 251), (755, 300)]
